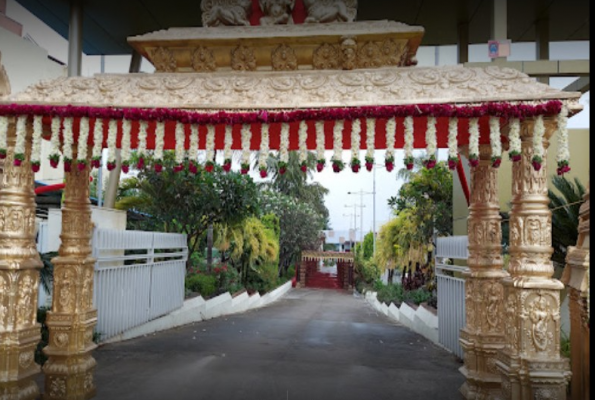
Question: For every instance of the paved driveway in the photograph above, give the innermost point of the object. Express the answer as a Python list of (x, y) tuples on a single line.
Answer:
[(312, 344)]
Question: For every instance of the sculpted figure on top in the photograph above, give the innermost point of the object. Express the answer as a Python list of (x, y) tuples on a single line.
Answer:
[(330, 10), (4, 83), (226, 12), (276, 12)]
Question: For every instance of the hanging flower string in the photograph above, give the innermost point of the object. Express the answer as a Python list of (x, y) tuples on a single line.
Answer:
[(563, 156), (68, 143), (36, 145), (54, 156), (338, 146), (263, 154), (408, 146), (495, 142), (320, 160), (453, 155), (474, 142), (356, 128), (302, 137), (210, 148), (125, 145), (159, 143), (284, 148), (370, 133), (98, 143), (538, 132), (193, 150), (19, 147), (227, 148), (389, 157), (514, 140), (246, 137), (430, 161), (3, 136), (81, 152), (142, 143), (180, 153)]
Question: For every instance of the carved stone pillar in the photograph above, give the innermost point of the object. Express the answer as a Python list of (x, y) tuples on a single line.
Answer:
[(530, 364), (19, 278), (576, 278), (483, 334), (70, 365)]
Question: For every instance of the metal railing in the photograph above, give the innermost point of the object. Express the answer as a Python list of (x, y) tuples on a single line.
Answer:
[(139, 276), (451, 291)]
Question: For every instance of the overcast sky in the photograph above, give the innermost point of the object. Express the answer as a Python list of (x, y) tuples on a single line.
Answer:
[(338, 201)]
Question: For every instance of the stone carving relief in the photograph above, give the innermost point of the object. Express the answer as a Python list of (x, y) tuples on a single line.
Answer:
[(283, 58), (26, 301), (493, 299), (243, 59), (394, 52), (25, 359), (510, 324), (470, 305), (163, 60), (203, 60), (4, 82), (276, 12), (57, 387), (369, 56), (65, 285), (61, 339), (349, 53), (3, 303), (326, 56), (540, 315), (321, 11), (226, 12)]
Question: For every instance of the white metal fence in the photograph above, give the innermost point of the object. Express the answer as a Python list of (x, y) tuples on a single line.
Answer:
[(139, 276), (451, 291)]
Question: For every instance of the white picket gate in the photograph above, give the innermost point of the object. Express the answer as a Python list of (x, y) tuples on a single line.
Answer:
[(131, 289), (451, 291)]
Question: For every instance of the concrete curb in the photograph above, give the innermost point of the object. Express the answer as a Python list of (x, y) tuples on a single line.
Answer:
[(197, 309)]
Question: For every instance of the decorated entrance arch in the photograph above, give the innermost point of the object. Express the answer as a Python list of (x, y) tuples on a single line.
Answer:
[(342, 86), (307, 271)]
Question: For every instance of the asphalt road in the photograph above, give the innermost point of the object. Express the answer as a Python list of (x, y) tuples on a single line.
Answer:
[(312, 344)]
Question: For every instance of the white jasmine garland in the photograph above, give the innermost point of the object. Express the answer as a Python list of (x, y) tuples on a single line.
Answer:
[(210, 144), (55, 139), (246, 137), (98, 138), (356, 128), (452, 137), (408, 146), (302, 137), (81, 153), (431, 137), (474, 137), (159, 136), (538, 132), (338, 140), (68, 138), (319, 140), (264, 147), (391, 125), (3, 132), (142, 137), (19, 148), (563, 150), (193, 151), (284, 143), (36, 145), (180, 153), (514, 137), (370, 133), (125, 144), (495, 137), (228, 142)]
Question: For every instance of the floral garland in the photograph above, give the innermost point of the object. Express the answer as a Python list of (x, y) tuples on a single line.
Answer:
[(263, 154), (538, 132), (142, 143), (563, 156), (3, 136), (68, 143), (125, 145), (246, 137), (54, 156), (474, 142), (159, 143), (338, 146), (356, 128), (81, 152), (36, 145), (453, 130), (389, 157), (430, 161), (284, 148), (98, 143), (180, 153), (320, 160), (210, 148), (302, 138), (370, 133), (495, 142), (408, 146), (193, 151), (19, 147), (227, 150), (514, 140)]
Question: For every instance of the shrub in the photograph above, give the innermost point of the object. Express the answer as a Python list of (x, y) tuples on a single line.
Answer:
[(417, 296), (392, 293), (290, 272), (228, 279), (206, 285)]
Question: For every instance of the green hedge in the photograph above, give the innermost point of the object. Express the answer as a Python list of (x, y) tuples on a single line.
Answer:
[(206, 285)]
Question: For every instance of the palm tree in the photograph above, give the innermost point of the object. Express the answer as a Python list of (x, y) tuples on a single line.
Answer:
[(565, 210)]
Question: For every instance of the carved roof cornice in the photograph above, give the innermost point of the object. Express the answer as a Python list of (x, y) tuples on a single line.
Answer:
[(293, 89)]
